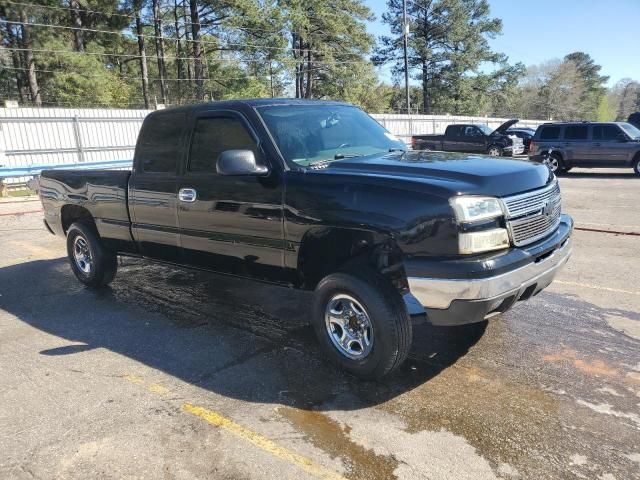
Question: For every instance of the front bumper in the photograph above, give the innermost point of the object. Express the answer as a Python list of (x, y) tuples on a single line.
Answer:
[(458, 301), (513, 150)]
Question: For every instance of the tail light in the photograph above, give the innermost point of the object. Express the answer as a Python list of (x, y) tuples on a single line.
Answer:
[(413, 143), (532, 146)]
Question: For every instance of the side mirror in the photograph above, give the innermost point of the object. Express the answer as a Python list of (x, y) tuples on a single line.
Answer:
[(239, 162), (621, 137)]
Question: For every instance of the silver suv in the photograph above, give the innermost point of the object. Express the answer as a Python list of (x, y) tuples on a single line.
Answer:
[(586, 144)]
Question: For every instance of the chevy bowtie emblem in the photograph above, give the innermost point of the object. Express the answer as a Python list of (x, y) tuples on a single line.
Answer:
[(548, 208)]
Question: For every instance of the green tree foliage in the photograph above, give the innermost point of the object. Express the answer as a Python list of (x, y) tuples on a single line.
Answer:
[(89, 53), (448, 53), (594, 83)]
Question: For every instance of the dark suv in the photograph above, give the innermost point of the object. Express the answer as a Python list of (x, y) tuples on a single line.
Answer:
[(586, 144)]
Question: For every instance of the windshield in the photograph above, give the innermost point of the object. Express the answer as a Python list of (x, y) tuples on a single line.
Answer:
[(630, 130), (486, 130), (309, 134)]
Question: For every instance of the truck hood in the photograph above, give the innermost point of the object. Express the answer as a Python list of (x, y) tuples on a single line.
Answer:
[(503, 128), (449, 174)]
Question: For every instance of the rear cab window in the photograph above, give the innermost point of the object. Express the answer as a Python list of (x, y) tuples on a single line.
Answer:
[(549, 133), (159, 146)]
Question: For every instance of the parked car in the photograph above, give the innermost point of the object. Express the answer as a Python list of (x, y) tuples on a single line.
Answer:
[(319, 196), (525, 133), (634, 119), (473, 139), (586, 144)]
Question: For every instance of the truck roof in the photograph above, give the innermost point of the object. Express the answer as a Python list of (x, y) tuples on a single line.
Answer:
[(250, 102)]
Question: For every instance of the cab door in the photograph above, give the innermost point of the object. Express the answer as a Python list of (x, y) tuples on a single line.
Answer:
[(229, 224), (607, 149), (153, 190)]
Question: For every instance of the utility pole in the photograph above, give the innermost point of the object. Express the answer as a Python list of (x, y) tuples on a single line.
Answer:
[(405, 40)]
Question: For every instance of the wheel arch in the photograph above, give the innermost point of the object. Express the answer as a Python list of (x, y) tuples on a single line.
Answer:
[(331, 249), (71, 213)]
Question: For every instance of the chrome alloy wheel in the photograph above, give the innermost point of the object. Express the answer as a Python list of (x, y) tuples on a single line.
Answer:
[(349, 326), (82, 254), (552, 163)]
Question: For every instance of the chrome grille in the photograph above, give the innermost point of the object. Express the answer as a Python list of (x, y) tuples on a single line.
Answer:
[(533, 215)]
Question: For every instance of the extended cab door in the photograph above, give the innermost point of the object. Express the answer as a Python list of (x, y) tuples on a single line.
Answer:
[(153, 188), (453, 139), (229, 224)]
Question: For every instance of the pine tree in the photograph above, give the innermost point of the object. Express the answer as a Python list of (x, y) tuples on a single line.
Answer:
[(448, 44)]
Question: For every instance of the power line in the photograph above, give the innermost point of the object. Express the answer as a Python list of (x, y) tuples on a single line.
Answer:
[(201, 41), (170, 57), (184, 22), (138, 78)]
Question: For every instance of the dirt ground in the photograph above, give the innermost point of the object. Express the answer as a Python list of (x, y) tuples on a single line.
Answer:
[(171, 373)]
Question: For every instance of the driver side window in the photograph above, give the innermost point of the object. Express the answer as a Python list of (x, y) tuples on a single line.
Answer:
[(214, 135)]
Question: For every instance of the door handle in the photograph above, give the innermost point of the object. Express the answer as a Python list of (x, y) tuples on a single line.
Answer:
[(596, 145), (187, 195)]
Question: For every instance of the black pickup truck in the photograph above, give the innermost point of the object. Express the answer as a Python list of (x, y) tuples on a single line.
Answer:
[(473, 138), (318, 195)]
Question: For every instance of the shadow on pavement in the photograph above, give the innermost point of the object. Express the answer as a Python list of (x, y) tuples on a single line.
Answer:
[(616, 174), (234, 337)]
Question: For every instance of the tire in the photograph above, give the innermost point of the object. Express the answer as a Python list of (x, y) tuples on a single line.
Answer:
[(555, 164), (385, 332), (494, 151), (636, 166), (91, 263)]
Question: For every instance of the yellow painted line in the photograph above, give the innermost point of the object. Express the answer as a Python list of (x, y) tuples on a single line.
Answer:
[(304, 463), (596, 287)]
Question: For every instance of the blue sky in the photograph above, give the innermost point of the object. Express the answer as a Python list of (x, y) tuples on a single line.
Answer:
[(535, 31)]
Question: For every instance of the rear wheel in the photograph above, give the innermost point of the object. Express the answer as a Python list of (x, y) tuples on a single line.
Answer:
[(91, 263), (362, 323), (554, 162)]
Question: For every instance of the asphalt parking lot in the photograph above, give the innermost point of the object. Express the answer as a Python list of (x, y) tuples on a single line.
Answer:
[(171, 373)]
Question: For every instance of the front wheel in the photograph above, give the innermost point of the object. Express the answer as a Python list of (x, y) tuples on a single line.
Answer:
[(636, 167), (362, 323), (91, 263), (494, 151)]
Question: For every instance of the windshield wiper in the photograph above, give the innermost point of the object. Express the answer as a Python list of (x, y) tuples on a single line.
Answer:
[(340, 156)]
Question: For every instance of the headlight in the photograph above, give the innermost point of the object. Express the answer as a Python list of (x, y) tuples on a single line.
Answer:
[(472, 209), (483, 241)]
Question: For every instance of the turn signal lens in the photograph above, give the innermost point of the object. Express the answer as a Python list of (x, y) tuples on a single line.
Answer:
[(483, 241)]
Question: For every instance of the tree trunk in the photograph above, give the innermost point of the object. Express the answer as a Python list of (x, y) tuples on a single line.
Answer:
[(30, 63), (17, 63), (143, 60), (309, 75), (179, 64), (162, 68), (76, 20), (426, 104), (197, 49), (187, 37)]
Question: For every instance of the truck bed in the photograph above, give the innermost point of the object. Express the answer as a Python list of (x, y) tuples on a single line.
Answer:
[(103, 193)]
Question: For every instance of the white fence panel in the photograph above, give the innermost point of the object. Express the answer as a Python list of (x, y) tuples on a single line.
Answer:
[(57, 136)]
